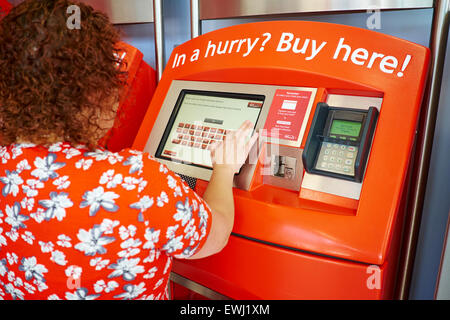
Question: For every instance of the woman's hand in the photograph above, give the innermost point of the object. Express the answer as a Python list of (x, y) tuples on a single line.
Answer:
[(232, 152)]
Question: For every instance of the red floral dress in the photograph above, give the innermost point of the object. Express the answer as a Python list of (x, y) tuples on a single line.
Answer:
[(76, 224)]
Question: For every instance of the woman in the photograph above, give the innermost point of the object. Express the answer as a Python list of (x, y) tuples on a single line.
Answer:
[(76, 221)]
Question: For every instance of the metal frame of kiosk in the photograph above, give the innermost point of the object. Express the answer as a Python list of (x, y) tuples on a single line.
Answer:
[(308, 241)]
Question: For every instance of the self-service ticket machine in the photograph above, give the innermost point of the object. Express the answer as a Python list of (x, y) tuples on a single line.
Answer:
[(319, 203)]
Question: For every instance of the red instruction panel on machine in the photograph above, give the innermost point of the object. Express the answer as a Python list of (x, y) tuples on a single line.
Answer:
[(286, 114)]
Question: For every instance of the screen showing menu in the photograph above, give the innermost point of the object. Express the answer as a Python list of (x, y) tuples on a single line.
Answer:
[(200, 118)]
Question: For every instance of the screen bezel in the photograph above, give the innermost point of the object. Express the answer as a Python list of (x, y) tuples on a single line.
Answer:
[(177, 107)]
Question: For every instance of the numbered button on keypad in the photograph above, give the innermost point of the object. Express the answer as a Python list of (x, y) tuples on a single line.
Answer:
[(337, 158)]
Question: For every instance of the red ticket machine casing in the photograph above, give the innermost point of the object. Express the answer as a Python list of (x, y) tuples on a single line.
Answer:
[(5, 7), (306, 244), (138, 92)]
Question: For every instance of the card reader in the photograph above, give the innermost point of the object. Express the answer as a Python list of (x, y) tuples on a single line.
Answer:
[(339, 141)]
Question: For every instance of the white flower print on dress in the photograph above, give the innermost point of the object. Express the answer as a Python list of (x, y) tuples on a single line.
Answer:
[(108, 225), (111, 179), (150, 273), (171, 182), (127, 232), (184, 212), (64, 241), (73, 272), (27, 203), (14, 218), (81, 294), (32, 269), (16, 151), (126, 268), (28, 237), (13, 234), (130, 258), (163, 169), (135, 162), (203, 215), (31, 187), (114, 158), (163, 198), (170, 232), (97, 199), (98, 263), (131, 247), (130, 183), (92, 241), (45, 168), (101, 286), (12, 258), (46, 247), (29, 288), (173, 244), (152, 238), (177, 192), (142, 184), (12, 182), (190, 229), (131, 291), (71, 152), (101, 155), (56, 206), (59, 258), (62, 183), (3, 241), (143, 204), (22, 165), (157, 284), (83, 163), (4, 155), (39, 215), (3, 267), (40, 285), (56, 147), (168, 264), (153, 254), (14, 292)]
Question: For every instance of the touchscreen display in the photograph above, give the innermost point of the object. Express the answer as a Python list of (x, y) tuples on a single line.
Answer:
[(345, 128), (200, 118)]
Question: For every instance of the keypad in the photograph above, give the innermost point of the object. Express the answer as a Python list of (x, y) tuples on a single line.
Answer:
[(337, 158), (198, 136)]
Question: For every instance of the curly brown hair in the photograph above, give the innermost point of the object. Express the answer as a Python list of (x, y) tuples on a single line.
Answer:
[(56, 82)]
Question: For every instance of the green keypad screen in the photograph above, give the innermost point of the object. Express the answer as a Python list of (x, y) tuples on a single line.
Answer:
[(345, 128)]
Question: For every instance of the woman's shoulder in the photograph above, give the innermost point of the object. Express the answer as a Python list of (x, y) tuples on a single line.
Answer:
[(134, 162)]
